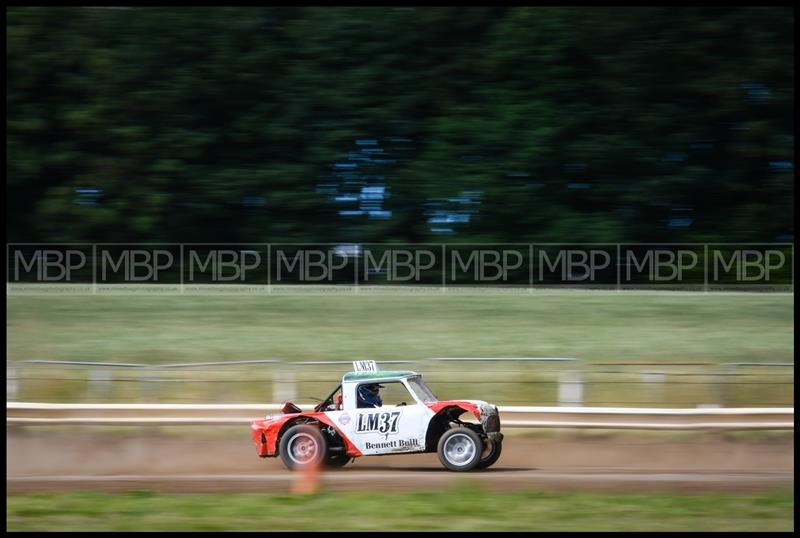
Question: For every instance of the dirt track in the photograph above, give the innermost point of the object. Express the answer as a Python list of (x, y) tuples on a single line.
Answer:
[(46, 461)]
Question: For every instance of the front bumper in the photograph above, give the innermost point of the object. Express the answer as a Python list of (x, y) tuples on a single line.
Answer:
[(490, 419), (497, 437)]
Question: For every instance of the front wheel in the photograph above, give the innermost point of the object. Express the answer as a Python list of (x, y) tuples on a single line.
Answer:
[(337, 460), (490, 454), (302, 446), (460, 449)]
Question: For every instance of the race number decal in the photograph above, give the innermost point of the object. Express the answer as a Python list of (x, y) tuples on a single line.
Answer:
[(365, 366), (384, 423)]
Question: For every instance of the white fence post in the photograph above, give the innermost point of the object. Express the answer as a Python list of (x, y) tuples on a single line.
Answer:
[(653, 377), (150, 384), (570, 389), (654, 381), (99, 384), (12, 384), (284, 386)]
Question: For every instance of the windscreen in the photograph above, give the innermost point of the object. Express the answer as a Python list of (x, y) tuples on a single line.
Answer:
[(422, 390)]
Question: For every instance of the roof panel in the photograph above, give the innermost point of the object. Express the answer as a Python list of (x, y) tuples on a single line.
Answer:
[(384, 374)]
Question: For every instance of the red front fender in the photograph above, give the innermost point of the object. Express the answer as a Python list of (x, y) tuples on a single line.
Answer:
[(468, 407)]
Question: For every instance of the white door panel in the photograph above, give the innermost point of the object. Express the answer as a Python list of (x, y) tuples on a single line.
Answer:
[(385, 430)]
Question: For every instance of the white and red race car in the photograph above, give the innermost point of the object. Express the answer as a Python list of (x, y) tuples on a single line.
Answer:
[(373, 413)]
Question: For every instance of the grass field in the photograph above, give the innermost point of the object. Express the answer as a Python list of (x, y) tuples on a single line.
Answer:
[(590, 325), (665, 326), (454, 509)]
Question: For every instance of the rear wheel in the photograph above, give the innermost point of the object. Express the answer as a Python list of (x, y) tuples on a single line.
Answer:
[(490, 454), (302, 446), (460, 449)]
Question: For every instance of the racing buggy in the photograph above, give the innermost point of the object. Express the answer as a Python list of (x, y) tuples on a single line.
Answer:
[(375, 413)]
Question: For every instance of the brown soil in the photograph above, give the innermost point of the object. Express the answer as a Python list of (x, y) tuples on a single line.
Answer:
[(42, 460)]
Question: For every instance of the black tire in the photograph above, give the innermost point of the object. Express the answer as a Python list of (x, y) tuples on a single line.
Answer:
[(302, 445), (491, 452), (337, 460), (460, 449)]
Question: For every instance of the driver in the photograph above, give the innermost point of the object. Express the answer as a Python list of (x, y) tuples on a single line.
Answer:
[(369, 395)]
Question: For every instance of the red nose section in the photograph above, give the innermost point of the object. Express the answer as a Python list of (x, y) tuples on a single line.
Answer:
[(466, 406)]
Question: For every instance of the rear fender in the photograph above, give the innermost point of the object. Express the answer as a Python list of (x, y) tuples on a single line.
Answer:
[(267, 433)]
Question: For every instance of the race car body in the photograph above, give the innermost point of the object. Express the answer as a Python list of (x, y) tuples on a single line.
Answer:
[(348, 425)]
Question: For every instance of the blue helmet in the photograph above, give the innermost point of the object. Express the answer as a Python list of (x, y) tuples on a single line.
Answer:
[(369, 395)]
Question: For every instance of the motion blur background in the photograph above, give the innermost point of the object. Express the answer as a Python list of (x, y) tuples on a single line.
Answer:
[(400, 124), (406, 126)]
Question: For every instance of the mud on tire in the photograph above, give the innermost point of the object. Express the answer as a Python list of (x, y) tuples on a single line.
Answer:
[(491, 453)]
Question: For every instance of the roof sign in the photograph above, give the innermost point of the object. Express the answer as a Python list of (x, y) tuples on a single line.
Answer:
[(365, 366)]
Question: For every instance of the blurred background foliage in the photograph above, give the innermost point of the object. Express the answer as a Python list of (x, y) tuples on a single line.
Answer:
[(491, 124)]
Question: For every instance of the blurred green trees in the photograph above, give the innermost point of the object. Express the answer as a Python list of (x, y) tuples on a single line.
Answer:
[(573, 124)]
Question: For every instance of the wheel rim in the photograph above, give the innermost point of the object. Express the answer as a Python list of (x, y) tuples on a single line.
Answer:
[(459, 449), (488, 447), (303, 448)]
